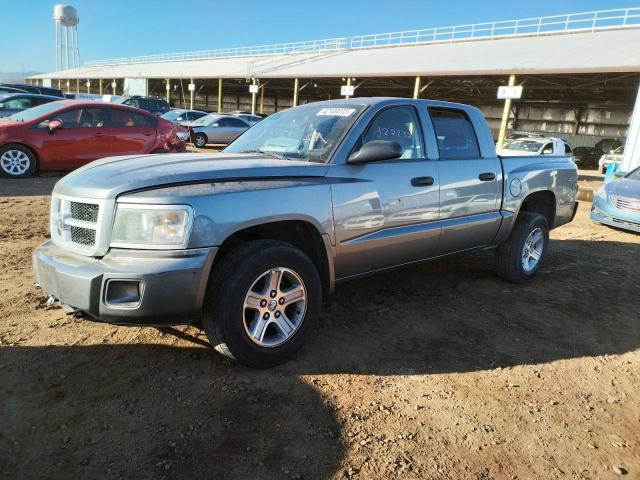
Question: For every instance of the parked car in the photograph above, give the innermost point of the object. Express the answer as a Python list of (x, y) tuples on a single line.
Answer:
[(11, 103), (251, 240), (183, 116), (157, 106), (615, 156), (37, 89), (617, 203), (66, 134), (535, 146), (587, 157), (607, 145), (217, 128)]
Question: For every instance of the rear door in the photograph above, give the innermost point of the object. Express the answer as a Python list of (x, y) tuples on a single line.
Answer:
[(389, 215), (470, 193), (130, 132)]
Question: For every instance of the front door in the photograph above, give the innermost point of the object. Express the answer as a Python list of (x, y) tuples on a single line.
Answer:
[(470, 193), (389, 216), (80, 140)]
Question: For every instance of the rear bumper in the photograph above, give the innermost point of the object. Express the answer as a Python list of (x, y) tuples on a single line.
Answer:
[(170, 285)]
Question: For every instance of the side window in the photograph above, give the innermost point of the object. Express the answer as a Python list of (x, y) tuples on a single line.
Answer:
[(455, 134), (401, 125), (547, 149), (125, 118), (69, 118), (567, 149), (92, 118), (234, 122), (18, 103)]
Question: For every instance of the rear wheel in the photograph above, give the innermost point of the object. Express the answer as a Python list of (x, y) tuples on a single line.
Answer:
[(520, 257), (17, 161), (200, 140), (261, 303)]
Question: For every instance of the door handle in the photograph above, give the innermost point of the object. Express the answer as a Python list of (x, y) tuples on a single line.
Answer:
[(422, 181), (487, 177)]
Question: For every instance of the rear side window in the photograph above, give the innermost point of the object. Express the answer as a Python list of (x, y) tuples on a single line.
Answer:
[(567, 149), (455, 133), (125, 118), (18, 103)]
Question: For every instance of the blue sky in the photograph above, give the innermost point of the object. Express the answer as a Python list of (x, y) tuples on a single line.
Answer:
[(117, 28)]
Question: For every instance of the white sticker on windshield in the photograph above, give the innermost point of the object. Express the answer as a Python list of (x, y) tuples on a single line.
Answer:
[(336, 112)]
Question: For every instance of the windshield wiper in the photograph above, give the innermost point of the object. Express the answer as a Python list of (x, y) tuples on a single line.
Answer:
[(264, 152)]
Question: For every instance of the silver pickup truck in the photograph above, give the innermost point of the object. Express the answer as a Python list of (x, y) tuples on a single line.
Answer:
[(251, 240)]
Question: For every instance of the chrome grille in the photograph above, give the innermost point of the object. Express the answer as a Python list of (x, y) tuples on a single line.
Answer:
[(87, 212), (78, 223), (627, 204), (83, 236)]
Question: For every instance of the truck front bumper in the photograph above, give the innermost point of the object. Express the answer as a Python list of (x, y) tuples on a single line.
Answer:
[(136, 287)]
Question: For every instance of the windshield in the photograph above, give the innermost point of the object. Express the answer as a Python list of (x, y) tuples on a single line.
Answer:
[(35, 112), (523, 145), (310, 132), (634, 174), (172, 115)]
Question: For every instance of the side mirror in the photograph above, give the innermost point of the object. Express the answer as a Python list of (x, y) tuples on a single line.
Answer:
[(376, 151), (54, 125)]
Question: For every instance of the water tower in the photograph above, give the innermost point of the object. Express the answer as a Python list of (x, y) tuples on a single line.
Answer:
[(66, 20)]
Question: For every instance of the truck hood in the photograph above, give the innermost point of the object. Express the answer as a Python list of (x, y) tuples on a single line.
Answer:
[(112, 176)]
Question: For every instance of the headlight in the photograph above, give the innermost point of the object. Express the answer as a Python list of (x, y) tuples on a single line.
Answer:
[(151, 226), (184, 136), (601, 194)]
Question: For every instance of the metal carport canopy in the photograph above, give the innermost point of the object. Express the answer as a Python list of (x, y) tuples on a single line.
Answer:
[(613, 50)]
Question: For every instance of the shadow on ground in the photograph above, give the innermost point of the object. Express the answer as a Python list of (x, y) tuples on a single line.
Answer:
[(147, 411)]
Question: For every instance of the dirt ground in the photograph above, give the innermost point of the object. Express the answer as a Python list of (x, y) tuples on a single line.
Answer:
[(436, 371)]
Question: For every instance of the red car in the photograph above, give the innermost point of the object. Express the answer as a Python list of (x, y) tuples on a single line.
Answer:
[(67, 134)]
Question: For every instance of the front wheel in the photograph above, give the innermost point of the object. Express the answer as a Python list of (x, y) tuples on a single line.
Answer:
[(200, 140), (17, 161), (520, 257), (261, 303)]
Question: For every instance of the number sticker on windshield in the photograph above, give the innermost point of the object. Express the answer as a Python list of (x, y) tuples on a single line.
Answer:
[(336, 112)]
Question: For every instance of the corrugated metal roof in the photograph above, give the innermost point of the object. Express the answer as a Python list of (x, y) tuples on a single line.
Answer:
[(613, 50)]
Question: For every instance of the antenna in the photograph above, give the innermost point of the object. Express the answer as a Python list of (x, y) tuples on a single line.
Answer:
[(66, 22)]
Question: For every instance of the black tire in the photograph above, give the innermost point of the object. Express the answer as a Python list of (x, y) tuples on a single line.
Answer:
[(200, 140), (509, 255), (231, 280), (5, 165)]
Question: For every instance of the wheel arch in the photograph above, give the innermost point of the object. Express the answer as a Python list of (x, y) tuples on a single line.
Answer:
[(299, 233), (543, 202)]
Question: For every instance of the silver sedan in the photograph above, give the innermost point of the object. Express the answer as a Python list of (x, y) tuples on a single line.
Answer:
[(217, 128)]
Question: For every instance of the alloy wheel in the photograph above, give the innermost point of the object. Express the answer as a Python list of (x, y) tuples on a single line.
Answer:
[(15, 162), (274, 307)]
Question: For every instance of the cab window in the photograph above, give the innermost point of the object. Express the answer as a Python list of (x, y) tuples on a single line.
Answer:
[(18, 104), (455, 134), (401, 125)]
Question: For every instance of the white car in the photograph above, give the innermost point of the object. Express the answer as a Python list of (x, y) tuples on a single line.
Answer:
[(535, 146), (614, 156)]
